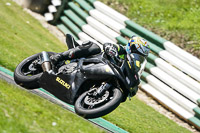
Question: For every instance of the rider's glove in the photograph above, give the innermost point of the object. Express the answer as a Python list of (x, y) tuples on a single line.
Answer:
[(111, 51), (56, 58)]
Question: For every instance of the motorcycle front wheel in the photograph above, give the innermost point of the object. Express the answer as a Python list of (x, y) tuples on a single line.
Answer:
[(26, 75), (93, 107)]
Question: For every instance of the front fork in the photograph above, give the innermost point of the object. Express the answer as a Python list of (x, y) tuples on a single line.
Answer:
[(45, 62), (103, 88), (100, 90)]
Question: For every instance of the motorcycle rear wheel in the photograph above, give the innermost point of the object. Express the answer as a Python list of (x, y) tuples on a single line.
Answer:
[(21, 76), (113, 101)]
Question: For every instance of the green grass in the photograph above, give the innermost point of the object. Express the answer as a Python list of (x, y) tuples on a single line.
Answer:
[(22, 36), (175, 20), (136, 117), (22, 112)]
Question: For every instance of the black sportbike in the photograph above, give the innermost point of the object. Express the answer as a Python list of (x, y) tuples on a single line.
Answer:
[(95, 85)]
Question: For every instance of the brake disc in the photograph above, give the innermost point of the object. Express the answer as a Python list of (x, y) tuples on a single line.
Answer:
[(96, 100)]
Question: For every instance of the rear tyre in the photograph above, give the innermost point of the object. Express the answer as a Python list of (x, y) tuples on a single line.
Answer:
[(111, 100), (26, 75)]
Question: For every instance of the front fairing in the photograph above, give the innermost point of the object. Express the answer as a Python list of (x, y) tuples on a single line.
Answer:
[(62, 86), (137, 60), (66, 86), (103, 69), (96, 71), (129, 74)]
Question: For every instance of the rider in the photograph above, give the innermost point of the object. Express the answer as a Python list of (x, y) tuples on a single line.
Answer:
[(137, 48)]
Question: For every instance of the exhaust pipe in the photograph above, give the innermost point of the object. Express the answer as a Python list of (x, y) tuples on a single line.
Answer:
[(45, 61)]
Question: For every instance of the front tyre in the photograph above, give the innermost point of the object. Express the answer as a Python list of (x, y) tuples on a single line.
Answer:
[(90, 107)]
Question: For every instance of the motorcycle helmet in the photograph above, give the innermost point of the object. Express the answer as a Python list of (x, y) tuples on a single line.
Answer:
[(138, 45)]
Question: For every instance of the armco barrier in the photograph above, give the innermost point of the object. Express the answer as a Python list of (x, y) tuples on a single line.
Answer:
[(168, 103), (172, 71), (193, 96), (113, 35), (68, 23), (87, 28), (173, 78), (65, 30), (172, 94)]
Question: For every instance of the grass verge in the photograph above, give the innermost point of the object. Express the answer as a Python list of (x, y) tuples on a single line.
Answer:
[(136, 117), (27, 113), (22, 36)]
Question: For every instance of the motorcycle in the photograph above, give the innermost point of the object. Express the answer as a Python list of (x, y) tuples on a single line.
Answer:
[(95, 85)]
